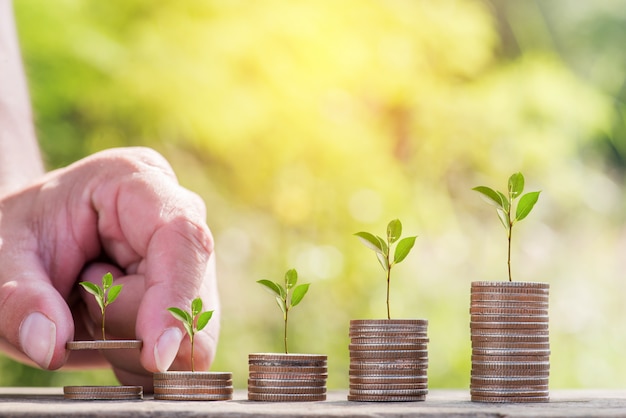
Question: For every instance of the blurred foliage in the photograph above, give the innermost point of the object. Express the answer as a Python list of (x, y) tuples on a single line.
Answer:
[(303, 122)]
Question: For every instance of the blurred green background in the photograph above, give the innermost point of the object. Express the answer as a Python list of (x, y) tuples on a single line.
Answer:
[(303, 122)]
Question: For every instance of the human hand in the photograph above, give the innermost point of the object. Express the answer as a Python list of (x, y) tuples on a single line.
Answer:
[(122, 211)]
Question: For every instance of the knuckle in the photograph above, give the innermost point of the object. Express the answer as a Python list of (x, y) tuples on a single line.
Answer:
[(132, 160)]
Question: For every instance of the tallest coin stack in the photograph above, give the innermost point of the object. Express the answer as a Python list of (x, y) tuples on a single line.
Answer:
[(510, 342)]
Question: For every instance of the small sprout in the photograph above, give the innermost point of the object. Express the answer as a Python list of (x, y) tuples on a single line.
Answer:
[(504, 205), (193, 321), (104, 295), (382, 248), (288, 296)]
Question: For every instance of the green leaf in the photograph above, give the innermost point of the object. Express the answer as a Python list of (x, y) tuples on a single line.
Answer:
[(196, 307), (281, 304), (516, 185), (203, 320), (107, 281), (394, 230), (113, 293), (181, 315), (291, 278), (503, 218), (403, 248), (506, 205), (370, 241), (272, 287), (490, 196), (94, 289), (298, 293), (189, 329), (383, 261), (383, 245), (525, 205)]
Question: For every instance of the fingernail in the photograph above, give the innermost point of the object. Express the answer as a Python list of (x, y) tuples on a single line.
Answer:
[(166, 348), (38, 338)]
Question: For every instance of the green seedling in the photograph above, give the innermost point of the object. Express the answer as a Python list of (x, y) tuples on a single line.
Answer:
[(286, 296), (382, 248), (104, 295), (504, 206), (193, 321)]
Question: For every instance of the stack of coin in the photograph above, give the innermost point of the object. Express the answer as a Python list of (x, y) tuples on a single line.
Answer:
[(388, 360), (510, 342), (103, 393), (193, 386), (287, 377)]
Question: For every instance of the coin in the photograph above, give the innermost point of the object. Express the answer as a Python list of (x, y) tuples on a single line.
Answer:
[(384, 392), (510, 399), (192, 397), (284, 390), (489, 283), (512, 364), (192, 382), (279, 357), (291, 369), (387, 347), (508, 339), (510, 325), (498, 352), (511, 359), (509, 318), (287, 376), (287, 363), (192, 390), (519, 298), (390, 354), (388, 387), (507, 392), (103, 392), (507, 381), (501, 345), (271, 397), (393, 380), (485, 389), (386, 398), (407, 338), (406, 364), (286, 383), (507, 311), (513, 333), (387, 322), (388, 373), (506, 372), (178, 375), (103, 344)]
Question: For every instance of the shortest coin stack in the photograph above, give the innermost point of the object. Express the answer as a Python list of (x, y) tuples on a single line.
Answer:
[(510, 342), (388, 360), (103, 393), (193, 386), (287, 377)]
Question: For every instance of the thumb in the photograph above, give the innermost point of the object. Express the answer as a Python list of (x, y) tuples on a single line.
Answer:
[(34, 318)]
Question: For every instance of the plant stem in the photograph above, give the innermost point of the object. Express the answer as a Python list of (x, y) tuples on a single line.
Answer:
[(510, 233), (509, 257), (285, 336), (103, 333), (388, 280), (193, 369)]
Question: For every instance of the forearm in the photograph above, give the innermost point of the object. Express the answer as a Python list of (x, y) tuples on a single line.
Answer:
[(20, 160)]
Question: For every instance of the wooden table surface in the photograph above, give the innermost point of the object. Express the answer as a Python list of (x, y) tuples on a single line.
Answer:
[(47, 402)]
